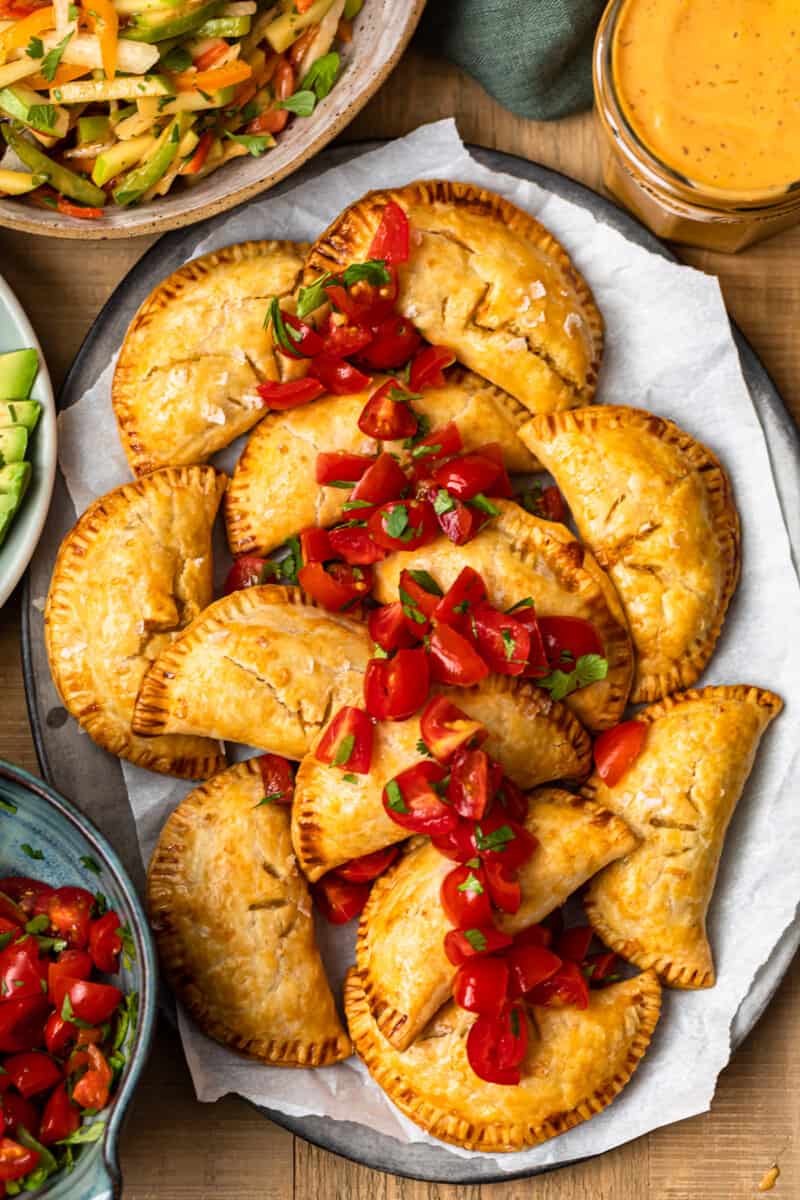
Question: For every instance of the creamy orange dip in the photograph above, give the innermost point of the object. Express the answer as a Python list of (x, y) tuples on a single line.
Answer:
[(712, 88)]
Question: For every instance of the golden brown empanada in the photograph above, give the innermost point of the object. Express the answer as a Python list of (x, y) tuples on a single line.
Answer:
[(577, 1062), (489, 282), (273, 493), (185, 382), (263, 666), (535, 738), (400, 954), (232, 918), (656, 509), (130, 575), (519, 555), (678, 796)]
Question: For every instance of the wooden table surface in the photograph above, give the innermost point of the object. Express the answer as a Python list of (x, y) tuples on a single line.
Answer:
[(177, 1149)]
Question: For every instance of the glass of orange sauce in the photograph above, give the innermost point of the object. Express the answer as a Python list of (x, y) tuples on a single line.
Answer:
[(698, 108)]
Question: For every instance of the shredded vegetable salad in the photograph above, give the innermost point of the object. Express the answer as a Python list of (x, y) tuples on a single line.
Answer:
[(111, 101)]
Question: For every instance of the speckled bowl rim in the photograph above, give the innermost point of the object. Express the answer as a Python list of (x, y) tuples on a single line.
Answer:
[(146, 956), (151, 223)]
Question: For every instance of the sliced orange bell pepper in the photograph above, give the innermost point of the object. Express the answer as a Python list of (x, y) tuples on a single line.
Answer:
[(19, 34), (212, 81), (65, 73), (104, 22)]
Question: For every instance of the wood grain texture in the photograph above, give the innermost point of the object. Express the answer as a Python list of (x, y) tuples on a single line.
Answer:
[(176, 1149)]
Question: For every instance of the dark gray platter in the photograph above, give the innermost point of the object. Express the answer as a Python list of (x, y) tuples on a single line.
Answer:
[(71, 762)]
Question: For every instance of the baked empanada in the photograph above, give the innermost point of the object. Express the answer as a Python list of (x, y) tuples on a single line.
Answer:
[(656, 509), (535, 739), (273, 493), (130, 575), (519, 555), (489, 282), (400, 954), (233, 921), (577, 1062), (678, 796), (261, 666), (185, 382)]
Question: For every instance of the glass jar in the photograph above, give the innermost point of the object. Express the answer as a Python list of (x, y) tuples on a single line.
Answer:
[(672, 204)]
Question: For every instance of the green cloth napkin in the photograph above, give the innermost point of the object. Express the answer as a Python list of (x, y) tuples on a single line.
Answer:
[(534, 56)]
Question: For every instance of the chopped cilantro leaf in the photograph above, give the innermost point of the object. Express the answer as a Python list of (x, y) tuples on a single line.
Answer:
[(426, 582), (26, 848), (526, 603), (86, 1133), (42, 116), (350, 778), (254, 143), (373, 271), (35, 48), (508, 642), (311, 297), (422, 451), (395, 797), (590, 668), (91, 864), (471, 884), (472, 862), (484, 504), (514, 1017), (476, 939), (349, 505), (321, 76), (52, 59), (271, 798), (423, 749), (301, 103), (396, 521), (498, 839), (443, 502), (411, 609), (344, 750), (379, 652)]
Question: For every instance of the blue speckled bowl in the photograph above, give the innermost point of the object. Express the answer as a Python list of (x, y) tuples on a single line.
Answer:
[(51, 824)]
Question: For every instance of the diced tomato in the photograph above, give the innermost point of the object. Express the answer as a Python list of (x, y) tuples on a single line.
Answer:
[(16, 1160), (338, 899), (404, 525), (22, 1022), (71, 965), (457, 521), (534, 935), (574, 943), (616, 749), (468, 790), (598, 967), (388, 414), (338, 376), (368, 866), (511, 799), (245, 572), (393, 343), (353, 544), (364, 303), (453, 659), (384, 480), (60, 1117), (105, 942), (22, 972), (93, 1002), (291, 393), (315, 545), (467, 475), (18, 1111), (92, 1089), (347, 742), (502, 642), (342, 339), (387, 627), (413, 799), (465, 897), (69, 911), (466, 593), (447, 729), (440, 444), (277, 776), (538, 665), (457, 843), (566, 639), (481, 986), (335, 586), (530, 965), (421, 591), (59, 1035), (504, 889), (394, 688), (32, 1072), (427, 368), (499, 839), (553, 504), (497, 1045), (24, 893), (305, 340), (12, 918), (340, 467), (391, 240), (460, 945), (7, 926), (567, 986)]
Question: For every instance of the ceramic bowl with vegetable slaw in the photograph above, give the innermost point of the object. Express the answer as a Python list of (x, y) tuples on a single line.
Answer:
[(44, 837), (133, 117)]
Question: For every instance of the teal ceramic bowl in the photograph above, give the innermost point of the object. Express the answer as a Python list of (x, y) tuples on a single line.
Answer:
[(32, 813)]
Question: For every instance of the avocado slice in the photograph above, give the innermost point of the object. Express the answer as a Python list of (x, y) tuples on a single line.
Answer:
[(224, 27), (62, 179), (14, 480), (159, 25), (92, 130), (13, 444), (21, 103), (20, 412), (133, 186), (17, 372), (121, 157)]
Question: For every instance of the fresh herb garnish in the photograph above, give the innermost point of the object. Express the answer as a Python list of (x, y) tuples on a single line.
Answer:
[(321, 76), (37, 924), (426, 582), (590, 668), (26, 848), (350, 778), (5, 938), (373, 271), (422, 451), (128, 945), (91, 864), (301, 103), (52, 59), (42, 116), (67, 1014), (284, 566), (396, 522), (35, 48), (423, 749), (526, 603), (514, 1017), (411, 609), (443, 502), (379, 652), (86, 1133), (349, 505), (484, 504), (254, 143), (498, 839), (311, 297), (395, 797), (344, 750), (476, 939), (270, 799), (471, 884), (473, 862), (286, 337), (508, 642)]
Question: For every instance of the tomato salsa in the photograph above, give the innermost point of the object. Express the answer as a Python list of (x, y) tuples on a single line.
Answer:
[(63, 1026)]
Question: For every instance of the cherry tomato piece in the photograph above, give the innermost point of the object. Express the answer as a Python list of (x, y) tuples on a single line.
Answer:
[(468, 790), (384, 480), (567, 986), (427, 368), (413, 799), (347, 742), (22, 972), (465, 897), (467, 475), (497, 1045), (32, 1072), (538, 665), (245, 572), (598, 967), (24, 892), (440, 444), (290, 393), (446, 729), (315, 545), (502, 642), (457, 522), (338, 376), (481, 986), (499, 839), (70, 965), (457, 843), (465, 594), (60, 1117), (534, 935), (336, 586), (394, 688), (404, 525), (59, 1035), (368, 866), (305, 340), (394, 341), (530, 965), (339, 900), (391, 240), (105, 942), (504, 889), (388, 627), (512, 799), (453, 659), (16, 1160), (342, 339), (18, 1111), (616, 749), (69, 910), (93, 1088), (419, 592), (277, 776), (93, 1002), (574, 943), (553, 505), (364, 303), (566, 639), (388, 414), (338, 466), (353, 544), (460, 945), (22, 1022)]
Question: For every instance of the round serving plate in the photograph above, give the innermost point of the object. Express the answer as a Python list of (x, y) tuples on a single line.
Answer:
[(76, 766)]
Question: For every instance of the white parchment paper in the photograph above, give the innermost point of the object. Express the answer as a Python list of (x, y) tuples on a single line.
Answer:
[(669, 349)]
